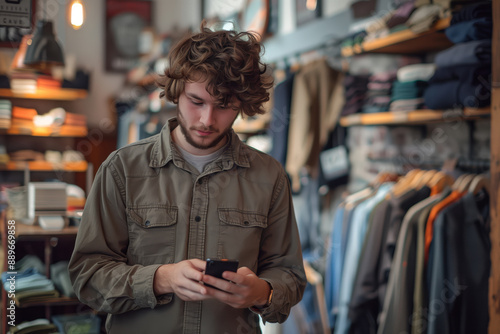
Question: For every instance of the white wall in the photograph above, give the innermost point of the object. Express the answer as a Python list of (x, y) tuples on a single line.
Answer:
[(222, 8)]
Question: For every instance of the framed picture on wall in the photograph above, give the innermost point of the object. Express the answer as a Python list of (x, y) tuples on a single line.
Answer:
[(17, 19), (307, 10), (125, 21)]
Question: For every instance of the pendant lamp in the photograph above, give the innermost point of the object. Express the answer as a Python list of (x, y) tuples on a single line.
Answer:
[(76, 14), (43, 49)]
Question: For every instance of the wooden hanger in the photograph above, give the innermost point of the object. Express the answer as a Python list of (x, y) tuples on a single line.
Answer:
[(404, 184), (384, 177), (439, 180), (457, 182), (405, 180), (425, 178), (464, 185), (416, 179), (479, 182), (358, 195)]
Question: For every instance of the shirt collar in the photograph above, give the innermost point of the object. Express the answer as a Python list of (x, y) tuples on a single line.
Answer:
[(164, 149)]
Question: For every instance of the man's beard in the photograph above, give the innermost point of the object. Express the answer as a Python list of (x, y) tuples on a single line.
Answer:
[(191, 140)]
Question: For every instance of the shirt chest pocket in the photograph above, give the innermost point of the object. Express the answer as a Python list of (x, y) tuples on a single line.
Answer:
[(151, 234), (240, 234)]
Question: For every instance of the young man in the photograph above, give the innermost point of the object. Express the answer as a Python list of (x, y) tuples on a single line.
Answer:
[(161, 206)]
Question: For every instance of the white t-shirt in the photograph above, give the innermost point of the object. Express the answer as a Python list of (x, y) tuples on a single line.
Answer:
[(200, 161)]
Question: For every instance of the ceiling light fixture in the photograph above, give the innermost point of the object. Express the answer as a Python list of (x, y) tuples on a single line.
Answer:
[(76, 14)]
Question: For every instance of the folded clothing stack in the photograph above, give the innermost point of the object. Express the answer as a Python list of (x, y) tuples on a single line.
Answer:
[(463, 71), (459, 86), (5, 114), (23, 82), (44, 81), (36, 326), (30, 286), (22, 119), (408, 90), (378, 96), (355, 93), (471, 23)]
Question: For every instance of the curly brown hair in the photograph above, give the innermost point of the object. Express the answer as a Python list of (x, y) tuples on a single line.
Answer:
[(228, 60)]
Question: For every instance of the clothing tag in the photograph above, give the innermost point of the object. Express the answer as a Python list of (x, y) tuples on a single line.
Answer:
[(334, 162)]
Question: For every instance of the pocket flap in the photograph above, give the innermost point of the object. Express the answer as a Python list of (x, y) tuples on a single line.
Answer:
[(242, 218), (153, 216)]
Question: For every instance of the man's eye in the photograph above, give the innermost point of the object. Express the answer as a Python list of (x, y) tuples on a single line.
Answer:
[(197, 103)]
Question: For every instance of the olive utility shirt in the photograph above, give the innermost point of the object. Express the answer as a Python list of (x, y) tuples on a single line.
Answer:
[(149, 207)]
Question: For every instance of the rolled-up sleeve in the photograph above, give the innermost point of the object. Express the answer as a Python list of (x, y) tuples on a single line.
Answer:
[(280, 257)]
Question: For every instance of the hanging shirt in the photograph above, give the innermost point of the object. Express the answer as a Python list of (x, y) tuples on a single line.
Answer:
[(375, 264), (459, 268), (357, 231), (453, 197), (397, 310)]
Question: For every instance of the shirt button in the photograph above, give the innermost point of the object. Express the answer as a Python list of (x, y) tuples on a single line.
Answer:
[(147, 223), (197, 219), (246, 223)]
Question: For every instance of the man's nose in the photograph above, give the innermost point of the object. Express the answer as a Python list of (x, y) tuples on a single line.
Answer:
[(207, 116)]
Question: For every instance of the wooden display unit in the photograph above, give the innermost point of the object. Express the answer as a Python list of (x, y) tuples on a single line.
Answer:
[(37, 234), (19, 135)]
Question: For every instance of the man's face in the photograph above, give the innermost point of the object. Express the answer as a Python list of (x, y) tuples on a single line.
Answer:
[(203, 122)]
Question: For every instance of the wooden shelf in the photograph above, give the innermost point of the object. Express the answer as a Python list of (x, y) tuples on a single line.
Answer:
[(45, 166), (57, 131), (405, 42), (35, 231), (413, 117), (50, 302), (63, 94)]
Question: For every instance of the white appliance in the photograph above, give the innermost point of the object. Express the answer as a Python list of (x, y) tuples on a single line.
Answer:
[(47, 204)]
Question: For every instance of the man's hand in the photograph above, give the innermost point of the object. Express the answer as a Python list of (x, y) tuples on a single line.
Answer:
[(244, 290), (183, 279)]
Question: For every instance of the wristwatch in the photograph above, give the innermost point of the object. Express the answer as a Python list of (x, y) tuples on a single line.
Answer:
[(270, 298), (259, 309)]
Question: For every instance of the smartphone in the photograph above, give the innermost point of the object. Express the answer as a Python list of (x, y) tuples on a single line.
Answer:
[(215, 267)]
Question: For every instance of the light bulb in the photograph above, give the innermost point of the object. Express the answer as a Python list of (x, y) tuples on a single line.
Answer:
[(76, 14), (311, 4)]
